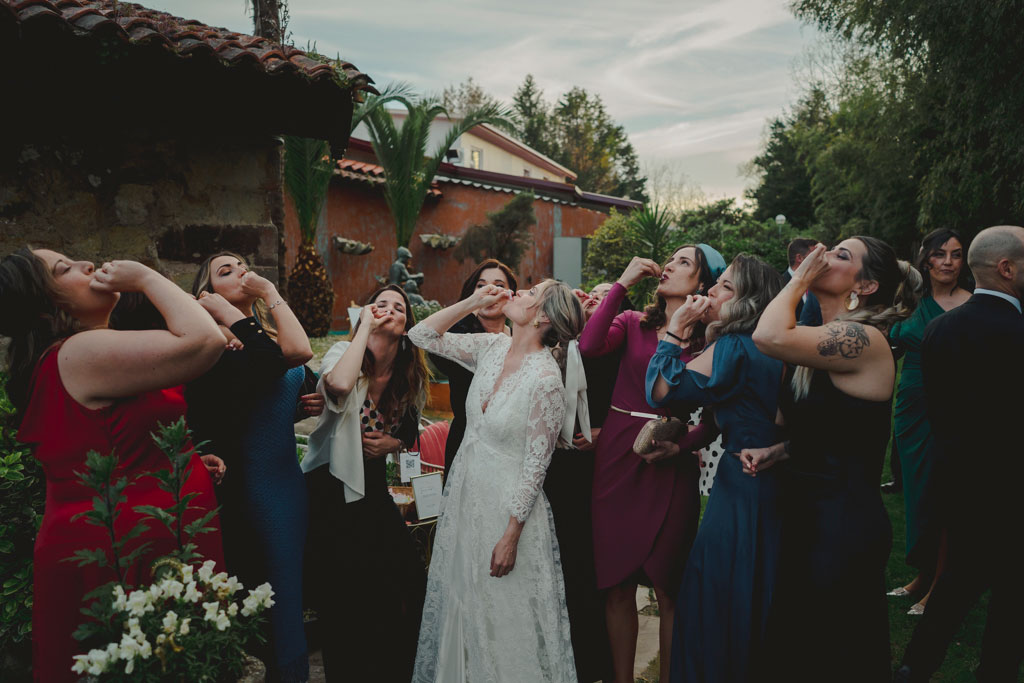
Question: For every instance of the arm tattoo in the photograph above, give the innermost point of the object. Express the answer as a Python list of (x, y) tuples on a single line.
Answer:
[(845, 339)]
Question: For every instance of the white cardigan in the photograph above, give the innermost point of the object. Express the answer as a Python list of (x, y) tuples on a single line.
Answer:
[(337, 438)]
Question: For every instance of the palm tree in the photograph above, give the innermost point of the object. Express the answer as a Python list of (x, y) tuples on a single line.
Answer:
[(402, 152), (308, 168), (652, 228)]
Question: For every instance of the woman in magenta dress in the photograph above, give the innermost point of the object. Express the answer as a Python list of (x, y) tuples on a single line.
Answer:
[(645, 509), (79, 387)]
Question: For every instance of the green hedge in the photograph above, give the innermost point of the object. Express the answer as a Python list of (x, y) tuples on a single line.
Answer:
[(22, 497)]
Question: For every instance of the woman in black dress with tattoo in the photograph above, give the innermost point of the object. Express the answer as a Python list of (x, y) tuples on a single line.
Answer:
[(829, 619)]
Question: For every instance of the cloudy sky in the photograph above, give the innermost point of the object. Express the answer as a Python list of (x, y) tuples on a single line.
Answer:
[(693, 81)]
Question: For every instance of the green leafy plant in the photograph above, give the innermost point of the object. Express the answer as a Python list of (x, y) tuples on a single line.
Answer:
[(505, 236), (22, 498), (185, 626)]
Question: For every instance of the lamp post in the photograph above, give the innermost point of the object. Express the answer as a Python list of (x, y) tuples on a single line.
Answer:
[(780, 220)]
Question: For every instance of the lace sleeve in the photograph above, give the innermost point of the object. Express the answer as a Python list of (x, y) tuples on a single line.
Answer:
[(543, 425), (464, 349)]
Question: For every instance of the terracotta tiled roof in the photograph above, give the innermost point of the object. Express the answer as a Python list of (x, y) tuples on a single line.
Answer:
[(184, 37), (372, 173)]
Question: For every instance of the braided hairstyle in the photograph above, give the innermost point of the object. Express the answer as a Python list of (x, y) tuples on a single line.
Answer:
[(30, 314)]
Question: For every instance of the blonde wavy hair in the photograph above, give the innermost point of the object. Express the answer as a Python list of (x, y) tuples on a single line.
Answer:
[(755, 284)]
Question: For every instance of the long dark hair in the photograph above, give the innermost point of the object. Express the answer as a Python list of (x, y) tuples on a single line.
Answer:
[(409, 375), (654, 313), (30, 314), (470, 283), (203, 282), (933, 241)]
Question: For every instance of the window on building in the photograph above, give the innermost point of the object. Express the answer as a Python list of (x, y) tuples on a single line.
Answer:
[(526, 173), (476, 157)]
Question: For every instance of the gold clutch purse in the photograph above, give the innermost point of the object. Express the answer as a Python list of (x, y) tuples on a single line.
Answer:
[(660, 429)]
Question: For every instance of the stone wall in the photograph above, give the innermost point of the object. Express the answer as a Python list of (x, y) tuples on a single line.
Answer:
[(168, 202)]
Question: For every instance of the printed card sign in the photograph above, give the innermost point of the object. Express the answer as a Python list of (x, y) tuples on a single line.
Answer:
[(426, 490), (409, 462)]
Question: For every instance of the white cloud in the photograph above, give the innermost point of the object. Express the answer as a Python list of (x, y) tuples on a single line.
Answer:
[(693, 82)]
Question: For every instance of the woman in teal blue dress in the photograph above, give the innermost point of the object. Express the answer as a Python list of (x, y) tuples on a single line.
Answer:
[(727, 586), (941, 262)]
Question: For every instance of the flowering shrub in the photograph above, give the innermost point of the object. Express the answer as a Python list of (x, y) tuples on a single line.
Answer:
[(188, 626)]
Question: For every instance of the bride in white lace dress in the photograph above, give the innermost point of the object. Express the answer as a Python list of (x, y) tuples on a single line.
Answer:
[(495, 607)]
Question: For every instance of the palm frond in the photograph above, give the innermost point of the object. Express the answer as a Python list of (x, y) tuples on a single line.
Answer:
[(307, 174), (402, 152), (394, 92)]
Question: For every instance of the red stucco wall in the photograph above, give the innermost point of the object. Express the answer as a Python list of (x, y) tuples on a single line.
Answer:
[(357, 211)]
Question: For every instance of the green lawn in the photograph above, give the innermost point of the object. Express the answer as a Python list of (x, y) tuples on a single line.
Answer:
[(962, 656)]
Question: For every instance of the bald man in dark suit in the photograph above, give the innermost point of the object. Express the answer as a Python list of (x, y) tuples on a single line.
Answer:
[(973, 364)]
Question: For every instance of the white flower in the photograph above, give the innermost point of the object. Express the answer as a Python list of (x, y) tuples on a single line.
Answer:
[(156, 591), (211, 610), (206, 571), (249, 605), (170, 622), (219, 580), (172, 588), (263, 593), (120, 599), (130, 666), (186, 573), (145, 649), (81, 664), (222, 621), (232, 609), (232, 585), (183, 628), (192, 593), (133, 628), (139, 603), (161, 639), (129, 647)]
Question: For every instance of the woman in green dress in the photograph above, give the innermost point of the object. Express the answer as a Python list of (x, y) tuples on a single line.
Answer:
[(941, 262)]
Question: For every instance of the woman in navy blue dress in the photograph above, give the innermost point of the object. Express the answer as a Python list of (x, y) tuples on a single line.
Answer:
[(729, 579), (244, 408)]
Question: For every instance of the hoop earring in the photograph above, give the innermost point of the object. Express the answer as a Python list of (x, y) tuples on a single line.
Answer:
[(852, 301)]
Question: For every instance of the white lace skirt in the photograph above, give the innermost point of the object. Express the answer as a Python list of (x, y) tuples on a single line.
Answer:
[(481, 629)]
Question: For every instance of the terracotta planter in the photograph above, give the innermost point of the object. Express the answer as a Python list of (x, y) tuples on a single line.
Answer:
[(440, 397)]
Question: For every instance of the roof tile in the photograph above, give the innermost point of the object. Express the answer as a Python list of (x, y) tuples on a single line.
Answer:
[(134, 23)]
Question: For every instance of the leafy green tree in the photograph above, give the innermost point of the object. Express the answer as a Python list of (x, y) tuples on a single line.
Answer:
[(505, 236), (578, 133), (610, 250), (402, 152), (732, 230), (962, 78), (784, 185)]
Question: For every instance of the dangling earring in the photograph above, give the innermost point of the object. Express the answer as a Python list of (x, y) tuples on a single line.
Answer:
[(851, 301), (403, 342), (536, 323)]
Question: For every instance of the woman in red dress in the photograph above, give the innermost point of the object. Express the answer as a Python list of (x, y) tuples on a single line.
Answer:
[(79, 387)]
